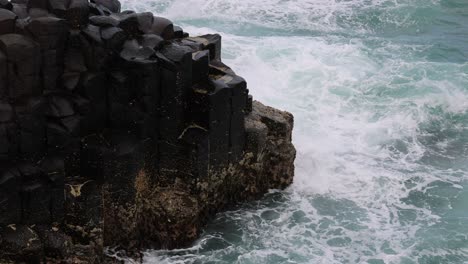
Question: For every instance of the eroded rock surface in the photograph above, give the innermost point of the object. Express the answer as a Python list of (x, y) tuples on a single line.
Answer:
[(117, 129)]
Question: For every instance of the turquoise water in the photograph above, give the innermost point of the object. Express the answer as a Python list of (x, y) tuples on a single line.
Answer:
[(379, 90)]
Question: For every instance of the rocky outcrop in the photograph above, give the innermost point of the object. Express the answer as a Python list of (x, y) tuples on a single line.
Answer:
[(119, 130), (169, 212)]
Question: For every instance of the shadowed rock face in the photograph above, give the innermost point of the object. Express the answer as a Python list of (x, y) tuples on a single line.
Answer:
[(117, 129), (181, 205)]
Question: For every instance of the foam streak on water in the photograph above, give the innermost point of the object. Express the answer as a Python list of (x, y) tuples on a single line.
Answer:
[(379, 90)]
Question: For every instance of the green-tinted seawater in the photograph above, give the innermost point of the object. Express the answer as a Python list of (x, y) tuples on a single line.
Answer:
[(379, 90)]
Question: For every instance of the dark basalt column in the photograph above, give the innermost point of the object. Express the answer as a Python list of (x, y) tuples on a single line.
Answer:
[(117, 129)]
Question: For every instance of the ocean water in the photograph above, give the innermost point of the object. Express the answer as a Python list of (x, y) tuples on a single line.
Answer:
[(379, 90)]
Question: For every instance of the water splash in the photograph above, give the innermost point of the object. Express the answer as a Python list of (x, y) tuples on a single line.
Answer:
[(379, 90)]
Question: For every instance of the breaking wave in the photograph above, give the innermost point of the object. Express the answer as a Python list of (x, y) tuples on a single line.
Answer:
[(379, 90)]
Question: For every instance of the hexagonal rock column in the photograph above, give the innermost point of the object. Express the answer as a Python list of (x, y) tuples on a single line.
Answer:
[(171, 216), (117, 129)]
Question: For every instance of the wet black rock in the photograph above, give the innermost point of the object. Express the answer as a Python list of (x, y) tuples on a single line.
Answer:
[(112, 5), (21, 243), (163, 27), (117, 129), (5, 4), (7, 21)]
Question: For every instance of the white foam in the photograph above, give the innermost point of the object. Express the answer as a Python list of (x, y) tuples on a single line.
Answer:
[(360, 115), (292, 15)]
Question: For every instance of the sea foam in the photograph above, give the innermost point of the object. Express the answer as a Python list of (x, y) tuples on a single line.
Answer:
[(381, 118)]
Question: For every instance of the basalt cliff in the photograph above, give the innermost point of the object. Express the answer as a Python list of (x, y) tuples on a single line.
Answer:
[(119, 130)]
